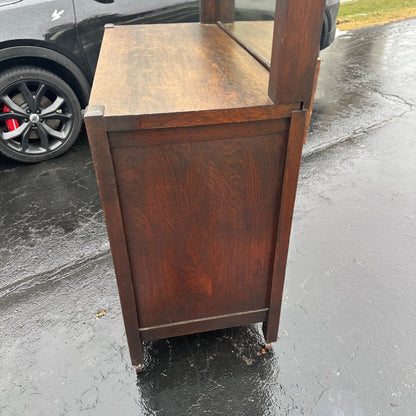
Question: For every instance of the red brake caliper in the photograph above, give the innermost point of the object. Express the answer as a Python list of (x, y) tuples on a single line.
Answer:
[(11, 124)]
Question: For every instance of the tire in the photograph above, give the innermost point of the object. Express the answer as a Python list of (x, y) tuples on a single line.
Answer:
[(40, 115)]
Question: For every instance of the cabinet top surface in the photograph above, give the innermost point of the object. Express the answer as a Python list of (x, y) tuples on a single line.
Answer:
[(175, 68)]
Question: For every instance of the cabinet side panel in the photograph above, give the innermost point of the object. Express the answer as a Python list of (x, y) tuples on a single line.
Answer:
[(200, 222)]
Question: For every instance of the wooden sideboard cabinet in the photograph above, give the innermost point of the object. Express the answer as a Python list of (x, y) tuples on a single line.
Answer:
[(197, 146)]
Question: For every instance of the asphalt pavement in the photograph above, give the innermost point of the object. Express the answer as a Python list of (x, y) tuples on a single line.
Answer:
[(348, 325)]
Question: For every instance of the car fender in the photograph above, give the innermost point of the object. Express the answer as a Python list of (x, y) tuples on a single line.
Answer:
[(13, 53)]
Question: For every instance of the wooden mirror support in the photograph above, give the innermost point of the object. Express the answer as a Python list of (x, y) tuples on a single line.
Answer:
[(197, 147), (213, 11)]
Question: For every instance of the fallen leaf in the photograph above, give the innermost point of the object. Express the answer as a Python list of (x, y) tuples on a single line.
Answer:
[(100, 313), (248, 361)]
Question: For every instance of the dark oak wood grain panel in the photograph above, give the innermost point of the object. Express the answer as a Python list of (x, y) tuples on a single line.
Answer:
[(199, 224)]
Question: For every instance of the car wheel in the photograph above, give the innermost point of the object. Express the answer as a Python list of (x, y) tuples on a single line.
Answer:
[(40, 115)]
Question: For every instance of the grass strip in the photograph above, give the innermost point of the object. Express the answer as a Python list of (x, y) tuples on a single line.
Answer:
[(361, 13)]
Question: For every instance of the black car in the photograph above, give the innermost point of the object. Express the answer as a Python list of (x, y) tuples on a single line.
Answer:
[(48, 54)]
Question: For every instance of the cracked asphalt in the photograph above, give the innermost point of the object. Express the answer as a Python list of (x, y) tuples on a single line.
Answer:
[(348, 325)]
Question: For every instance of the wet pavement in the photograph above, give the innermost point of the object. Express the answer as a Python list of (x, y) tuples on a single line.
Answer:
[(348, 326)]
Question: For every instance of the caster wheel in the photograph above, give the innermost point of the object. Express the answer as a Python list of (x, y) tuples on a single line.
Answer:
[(138, 368), (268, 346)]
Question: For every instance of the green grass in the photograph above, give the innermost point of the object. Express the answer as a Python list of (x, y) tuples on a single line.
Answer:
[(361, 13)]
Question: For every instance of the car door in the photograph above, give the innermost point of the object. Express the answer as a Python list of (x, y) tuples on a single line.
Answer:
[(46, 23), (92, 15)]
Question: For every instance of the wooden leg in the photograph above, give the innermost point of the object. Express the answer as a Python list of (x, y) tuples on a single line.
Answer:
[(269, 336), (138, 359), (136, 349), (290, 179), (103, 164), (267, 340)]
